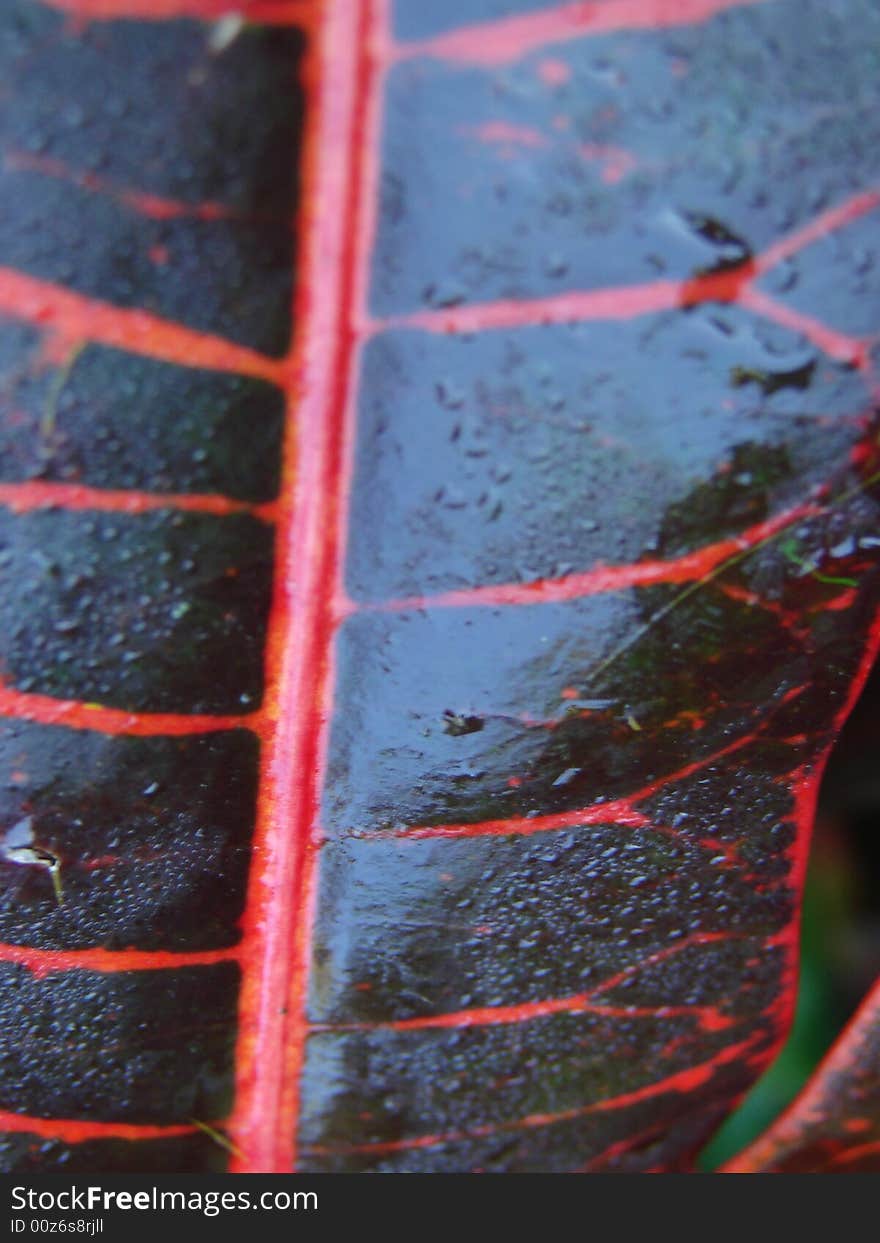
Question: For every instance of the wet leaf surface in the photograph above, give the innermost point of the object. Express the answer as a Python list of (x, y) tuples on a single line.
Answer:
[(420, 699)]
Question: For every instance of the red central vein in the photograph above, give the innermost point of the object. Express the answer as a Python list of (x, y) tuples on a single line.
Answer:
[(274, 12), (70, 1131), (73, 318), (46, 962), (40, 494), (506, 39), (709, 1018), (605, 578), (75, 714), (277, 925), (683, 1081)]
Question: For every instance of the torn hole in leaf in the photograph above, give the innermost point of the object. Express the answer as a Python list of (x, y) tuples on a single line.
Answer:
[(457, 724), (18, 846)]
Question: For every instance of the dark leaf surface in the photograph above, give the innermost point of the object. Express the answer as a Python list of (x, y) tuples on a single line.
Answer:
[(415, 700)]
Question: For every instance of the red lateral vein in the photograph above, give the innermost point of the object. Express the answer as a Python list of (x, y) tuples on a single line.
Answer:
[(709, 1018), (657, 956), (46, 962), (837, 345), (618, 811), (575, 306), (506, 39), (151, 206), (40, 494), (690, 567), (274, 12), (821, 226), (628, 302), (855, 1154), (736, 285), (787, 618), (73, 318), (619, 1149), (683, 1082), (71, 1131), (75, 714), (622, 811)]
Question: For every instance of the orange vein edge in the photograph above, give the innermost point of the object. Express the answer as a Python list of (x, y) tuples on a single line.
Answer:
[(277, 924), (792, 1129), (806, 797), (501, 40), (276, 12), (74, 1131)]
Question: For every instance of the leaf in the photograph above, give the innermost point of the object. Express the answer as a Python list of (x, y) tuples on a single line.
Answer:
[(424, 718), (832, 1128), (148, 186)]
